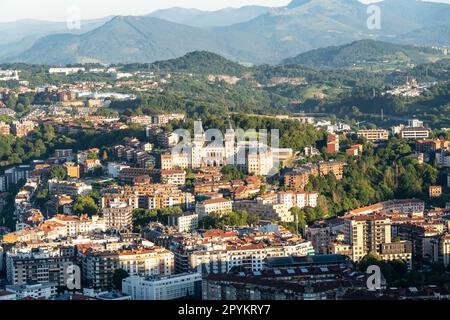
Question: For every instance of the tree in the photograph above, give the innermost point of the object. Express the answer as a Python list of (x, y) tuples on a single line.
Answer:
[(369, 260), (85, 205), (42, 197), (232, 173), (118, 276), (300, 217), (57, 172)]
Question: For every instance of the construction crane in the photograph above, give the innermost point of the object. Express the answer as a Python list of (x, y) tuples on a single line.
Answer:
[(359, 123)]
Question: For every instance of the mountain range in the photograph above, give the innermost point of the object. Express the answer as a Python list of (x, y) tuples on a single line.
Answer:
[(255, 35)]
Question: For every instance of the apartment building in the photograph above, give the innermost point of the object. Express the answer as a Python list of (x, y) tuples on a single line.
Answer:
[(248, 256), (444, 249), (22, 128), (187, 222), (426, 146), (261, 162), (167, 139), (173, 177), (127, 175), (17, 173), (443, 158), (366, 234), (37, 267), (332, 143), (63, 153), (334, 167), (79, 225), (297, 180), (266, 211), (175, 160), (98, 268), (118, 216), (415, 133), (298, 199), (147, 262)]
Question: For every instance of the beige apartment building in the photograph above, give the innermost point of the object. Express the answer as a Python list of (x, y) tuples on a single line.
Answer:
[(374, 135)]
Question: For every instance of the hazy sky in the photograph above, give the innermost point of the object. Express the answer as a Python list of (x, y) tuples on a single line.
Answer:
[(59, 10)]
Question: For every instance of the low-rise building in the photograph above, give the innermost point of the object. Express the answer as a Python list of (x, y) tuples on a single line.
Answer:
[(57, 187), (173, 287), (218, 206), (73, 170), (41, 291), (374, 135), (435, 191), (415, 133)]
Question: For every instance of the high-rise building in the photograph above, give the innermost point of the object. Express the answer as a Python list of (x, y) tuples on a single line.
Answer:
[(118, 216), (366, 234)]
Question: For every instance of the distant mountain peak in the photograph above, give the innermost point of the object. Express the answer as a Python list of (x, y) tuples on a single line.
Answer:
[(297, 3)]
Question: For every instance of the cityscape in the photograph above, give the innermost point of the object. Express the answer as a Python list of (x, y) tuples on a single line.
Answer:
[(175, 167)]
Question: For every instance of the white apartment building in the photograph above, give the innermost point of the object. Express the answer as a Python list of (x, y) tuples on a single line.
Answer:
[(173, 177), (219, 206), (175, 160), (168, 139), (251, 256), (73, 189), (163, 287), (298, 199), (65, 71), (415, 133), (80, 225), (443, 158), (184, 223), (115, 168)]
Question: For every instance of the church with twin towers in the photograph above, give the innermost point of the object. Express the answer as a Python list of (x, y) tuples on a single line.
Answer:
[(248, 150)]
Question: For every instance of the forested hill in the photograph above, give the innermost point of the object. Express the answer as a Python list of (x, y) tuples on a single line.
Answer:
[(198, 62), (364, 52)]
